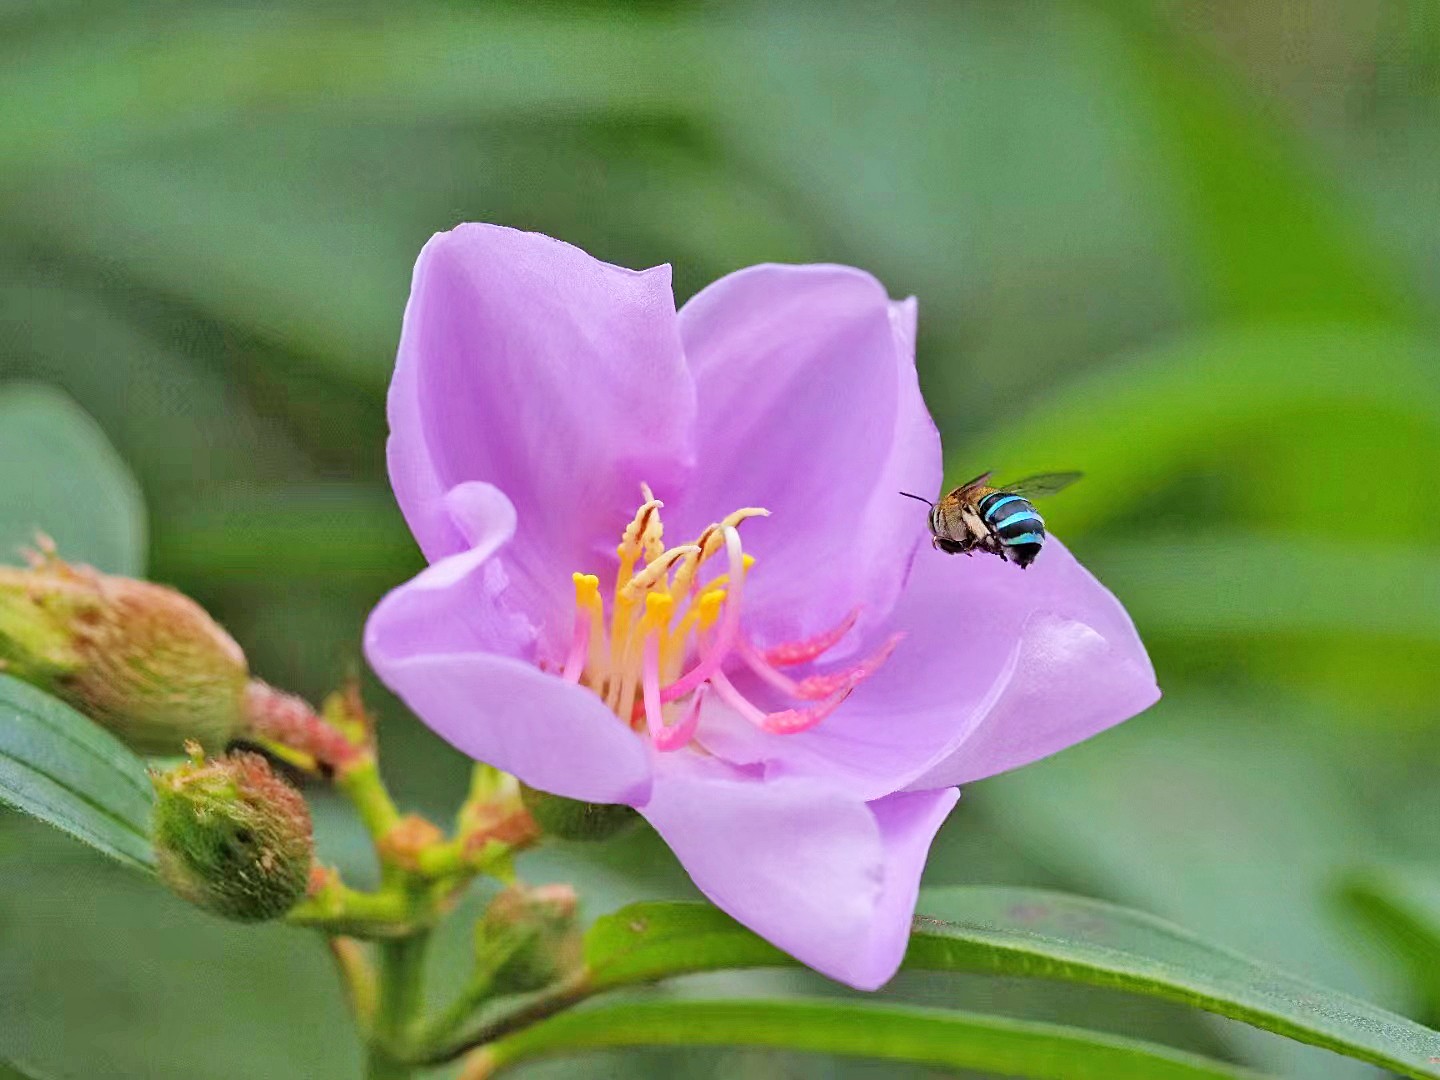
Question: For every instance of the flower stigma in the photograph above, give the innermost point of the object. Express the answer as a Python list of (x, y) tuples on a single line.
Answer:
[(664, 644)]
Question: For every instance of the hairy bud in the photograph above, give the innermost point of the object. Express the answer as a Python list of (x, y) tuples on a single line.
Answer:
[(570, 819), (529, 938), (140, 659), (232, 837)]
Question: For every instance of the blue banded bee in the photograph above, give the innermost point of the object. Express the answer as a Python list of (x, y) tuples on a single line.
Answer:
[(1001, 520)]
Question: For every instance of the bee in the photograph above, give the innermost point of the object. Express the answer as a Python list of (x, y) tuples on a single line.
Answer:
[(1000, 519)]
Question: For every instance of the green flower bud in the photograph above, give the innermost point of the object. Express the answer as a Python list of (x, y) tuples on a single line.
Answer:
[(529, 939), (232, 837), (570, 819), (139, 659)]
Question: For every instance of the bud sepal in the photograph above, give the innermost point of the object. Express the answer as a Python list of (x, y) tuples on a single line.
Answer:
[(232, 837), (139, 659)]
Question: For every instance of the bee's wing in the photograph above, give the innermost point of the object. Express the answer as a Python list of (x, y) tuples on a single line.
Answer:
[(1041, 484), (970, 485)]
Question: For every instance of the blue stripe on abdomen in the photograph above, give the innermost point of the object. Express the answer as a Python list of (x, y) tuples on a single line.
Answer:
[(997, 503), (1015, 519), (1023, 538)]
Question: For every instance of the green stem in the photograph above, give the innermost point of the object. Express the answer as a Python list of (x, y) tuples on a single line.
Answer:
[(491, 958), (402, 967), (356, 977), (533, 1009), (362, 784), (339, 909)]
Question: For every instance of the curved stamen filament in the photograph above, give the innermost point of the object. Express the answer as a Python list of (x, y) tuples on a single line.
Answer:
[(784, 722)]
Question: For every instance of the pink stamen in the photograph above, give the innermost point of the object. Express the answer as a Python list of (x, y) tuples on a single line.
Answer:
[(822, 686), (725, 633), (815, 686), (665, 738), (785, 722), (800, 652), (579, 648), (757, 663), (793, 721), (682, 733)]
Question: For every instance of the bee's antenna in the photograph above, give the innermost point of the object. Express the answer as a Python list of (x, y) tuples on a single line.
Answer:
[(917, 498)]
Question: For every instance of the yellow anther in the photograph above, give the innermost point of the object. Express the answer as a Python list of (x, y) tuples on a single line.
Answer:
[(732, 519), (747, 560), (713, 538), (643, 534), (655, 571), (709, 604), (658, 608), (587, 590)]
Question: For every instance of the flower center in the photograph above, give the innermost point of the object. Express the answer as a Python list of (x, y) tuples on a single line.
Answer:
[(662, 643)]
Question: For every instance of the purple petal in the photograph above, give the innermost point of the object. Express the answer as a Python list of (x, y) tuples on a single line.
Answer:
[(526, 363), (809, 406), (819, 874), (447, 643), (1000, 667)]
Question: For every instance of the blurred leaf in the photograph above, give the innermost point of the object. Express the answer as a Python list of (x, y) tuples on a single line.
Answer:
[(10, 1070), (58, 475), (1402, 904), (76, 95), (1039, 934), (935, 1037), (330, 533), (156, 379), (1229, 583), (1229, 817), (108, 975), (1231, 407), (204, 222), (1274, 238), (58, 766)]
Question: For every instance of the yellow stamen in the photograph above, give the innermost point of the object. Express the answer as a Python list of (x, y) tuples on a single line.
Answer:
[(710, 603), (658, 609), (587, 599), (652, 584)]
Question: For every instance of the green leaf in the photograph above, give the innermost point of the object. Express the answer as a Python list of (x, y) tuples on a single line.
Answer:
[(1201, 403), (952, 1040), (1040, 934), (1402, 904), (58, 766), (1230, 817), (1391, 593), (59, 475), (119, 81), (1275, 238), (11, 1070), (322, 531)]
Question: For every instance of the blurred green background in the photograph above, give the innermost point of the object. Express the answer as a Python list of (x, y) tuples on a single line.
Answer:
[(1192, 248)]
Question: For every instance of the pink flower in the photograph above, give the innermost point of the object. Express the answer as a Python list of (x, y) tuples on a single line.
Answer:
[(790, 699)]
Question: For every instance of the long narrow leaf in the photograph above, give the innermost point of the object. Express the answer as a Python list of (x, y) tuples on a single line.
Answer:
[(935, 1037), (58, 766), (1039, 934)]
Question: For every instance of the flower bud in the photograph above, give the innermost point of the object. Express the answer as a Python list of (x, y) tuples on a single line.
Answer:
[(232, 837), (529, 938), (570, 819), (139, 659)]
